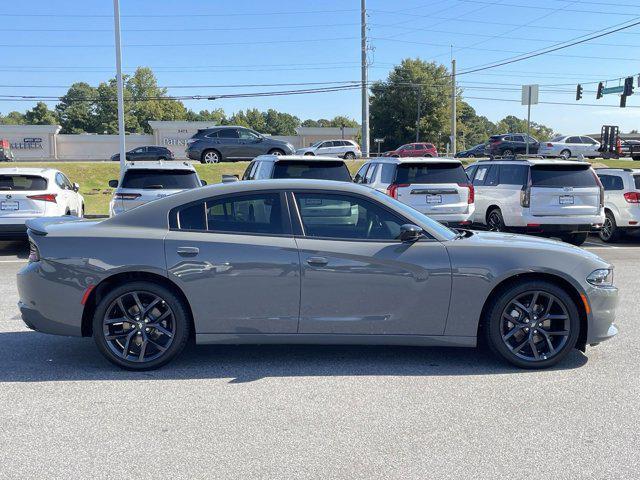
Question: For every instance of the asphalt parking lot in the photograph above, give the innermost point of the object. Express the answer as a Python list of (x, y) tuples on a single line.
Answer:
[(318, 412)]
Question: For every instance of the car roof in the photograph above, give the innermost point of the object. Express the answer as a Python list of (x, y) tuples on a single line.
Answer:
[(297, 158), (28, 171), (532, 161), (159, 165), (617, 170), (399, 160)]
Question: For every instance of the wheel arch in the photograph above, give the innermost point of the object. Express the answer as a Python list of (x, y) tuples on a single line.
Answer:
[(488, 211), (117, 279), (572, 290)]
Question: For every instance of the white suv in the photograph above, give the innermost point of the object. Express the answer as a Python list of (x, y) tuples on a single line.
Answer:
[(347, 149), (143, 182), (621, 201), (27, 193), (553, 198), (437, 187)]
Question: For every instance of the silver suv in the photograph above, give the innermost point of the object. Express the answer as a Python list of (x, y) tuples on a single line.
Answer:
[(621, 201), (437, 187), (143, 182), (553, 198)]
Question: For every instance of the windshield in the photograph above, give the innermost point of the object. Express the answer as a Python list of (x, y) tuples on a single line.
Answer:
[(165, 179), (317, 143), (22, 182), (323, 170), (432, 225), (562, 176), (431, 173)]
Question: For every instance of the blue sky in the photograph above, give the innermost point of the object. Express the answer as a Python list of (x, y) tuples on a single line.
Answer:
[(200, 44)]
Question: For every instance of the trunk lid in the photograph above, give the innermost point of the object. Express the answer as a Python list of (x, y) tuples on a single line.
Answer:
[(564, 190), (23, 195)]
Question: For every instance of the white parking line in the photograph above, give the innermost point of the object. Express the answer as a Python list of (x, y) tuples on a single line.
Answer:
[(13, 261), (599, 245)]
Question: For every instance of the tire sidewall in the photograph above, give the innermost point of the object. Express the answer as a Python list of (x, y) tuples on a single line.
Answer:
[(182, 327), (494, 317), (614, 228)]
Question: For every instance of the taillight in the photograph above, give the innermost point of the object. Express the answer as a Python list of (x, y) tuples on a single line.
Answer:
[(127, 196), (632, 197), (45, 197), (34, 254), (392, 190), (472, 191)]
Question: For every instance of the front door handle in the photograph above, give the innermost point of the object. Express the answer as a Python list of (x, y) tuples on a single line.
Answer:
[(188, 251), (317, 261)]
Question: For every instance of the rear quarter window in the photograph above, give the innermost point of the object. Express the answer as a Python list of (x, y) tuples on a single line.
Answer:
[(22, 182), (636, 179), (315, 170), (562, 176), (431, 173), (513, 174)]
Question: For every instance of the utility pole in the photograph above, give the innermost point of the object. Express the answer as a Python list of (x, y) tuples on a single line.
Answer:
[(418, 119), (528, 119), (365, 81), (119, 82), (453, 106)]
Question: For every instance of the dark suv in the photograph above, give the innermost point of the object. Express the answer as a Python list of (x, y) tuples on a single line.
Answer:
[(151, 153), (511, 144), (213, 145)]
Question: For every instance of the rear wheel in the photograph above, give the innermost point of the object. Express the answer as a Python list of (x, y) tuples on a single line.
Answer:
[(309, 154), (211, 156), (610, 231), (276, 152), (532, 324), (507, 153), (140, 326), (495, 222), (565, 154), (576, 238), (349, 156)]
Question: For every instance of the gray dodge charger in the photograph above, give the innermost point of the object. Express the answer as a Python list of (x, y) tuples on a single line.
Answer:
[(307, 261)]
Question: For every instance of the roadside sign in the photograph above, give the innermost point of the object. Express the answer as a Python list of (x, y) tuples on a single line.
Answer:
[(529, 94), (378, 140)]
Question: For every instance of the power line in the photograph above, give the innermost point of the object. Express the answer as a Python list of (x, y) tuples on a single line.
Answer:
[(553, 103), (164, 30), (538, 7), (174, 15)]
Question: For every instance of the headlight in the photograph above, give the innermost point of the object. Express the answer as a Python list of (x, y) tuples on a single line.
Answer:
[(603, 277)]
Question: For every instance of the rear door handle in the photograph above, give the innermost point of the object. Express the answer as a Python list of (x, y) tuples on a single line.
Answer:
[(317, 261), (188, 251)]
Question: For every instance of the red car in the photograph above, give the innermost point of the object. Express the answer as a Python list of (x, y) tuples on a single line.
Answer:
[(414, 150)]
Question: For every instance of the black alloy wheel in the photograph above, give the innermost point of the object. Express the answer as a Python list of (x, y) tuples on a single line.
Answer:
[(609, 231), (495, 222)]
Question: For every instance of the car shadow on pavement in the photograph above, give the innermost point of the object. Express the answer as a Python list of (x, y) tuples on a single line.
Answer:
[(34, 357)]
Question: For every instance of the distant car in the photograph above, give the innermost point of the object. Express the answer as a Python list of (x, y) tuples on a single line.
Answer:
[(511, 144), (621, 201), (27, 193), (307, 262), (438, 187), (565, 147), (554, 198), (420, 149), (143, 182), (630, 148), (6, 155), (347, 149), (473, 152), (295, 166), (218, 144), (151, 153)]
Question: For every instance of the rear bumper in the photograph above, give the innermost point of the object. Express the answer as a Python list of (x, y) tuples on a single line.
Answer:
[(521, 218), (453, 219)]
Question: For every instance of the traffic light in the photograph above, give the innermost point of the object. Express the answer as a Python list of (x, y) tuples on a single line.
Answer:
[(579, 92), (623, 100), (628, 86), (600, 88)]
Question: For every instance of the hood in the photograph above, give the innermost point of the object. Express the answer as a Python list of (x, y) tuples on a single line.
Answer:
[(305, 149)]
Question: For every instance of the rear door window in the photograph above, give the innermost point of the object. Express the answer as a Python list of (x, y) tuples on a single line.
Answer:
[(228, 133), (258, 213), (636, 179), (388, 172), (573, 140), (160, 179), (430, 173), (323, 170), (22, 182), (558, 176)]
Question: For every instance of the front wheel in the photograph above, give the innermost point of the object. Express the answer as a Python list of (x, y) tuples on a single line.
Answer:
[(576, 239), (211, 156), (140, 326), (532, 324), (276, 152), (507, 153), (349, 156), (565, 154)]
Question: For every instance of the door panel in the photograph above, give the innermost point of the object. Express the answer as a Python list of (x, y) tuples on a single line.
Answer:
[(370, 287), (237, 283)]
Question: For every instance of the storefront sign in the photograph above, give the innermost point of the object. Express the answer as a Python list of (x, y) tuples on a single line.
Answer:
[(28, 143)]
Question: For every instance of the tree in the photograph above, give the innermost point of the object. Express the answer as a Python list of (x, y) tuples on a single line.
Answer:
[(278, 123), (106, 118), (76, 109), (471, 128), (216, 117), (512, 124), (337, 121), (40, 115), (13, 118)]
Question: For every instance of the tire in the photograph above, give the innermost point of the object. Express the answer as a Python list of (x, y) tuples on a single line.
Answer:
[(635, 157), (507, 153), (495, 221), (211, 156), (512, 332), (609, 231), (309, 154), (349, 156), (576, 239), (162, 158), (276, 151), (81, 213), (565, 154), (161, 344)]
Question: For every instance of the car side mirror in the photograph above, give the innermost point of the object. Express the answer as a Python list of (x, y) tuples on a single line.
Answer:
[(203, 182), (226, 178), (76, 187), (410, 233), (113, 183)]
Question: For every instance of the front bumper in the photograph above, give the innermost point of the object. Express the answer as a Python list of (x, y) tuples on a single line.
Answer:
[(603, 302)]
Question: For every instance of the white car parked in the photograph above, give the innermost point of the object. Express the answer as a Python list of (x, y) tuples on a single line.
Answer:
[(27, 193), (437, 187), (555, 198), (347, 149), (143, 182), (621, 201), (565, 147)]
